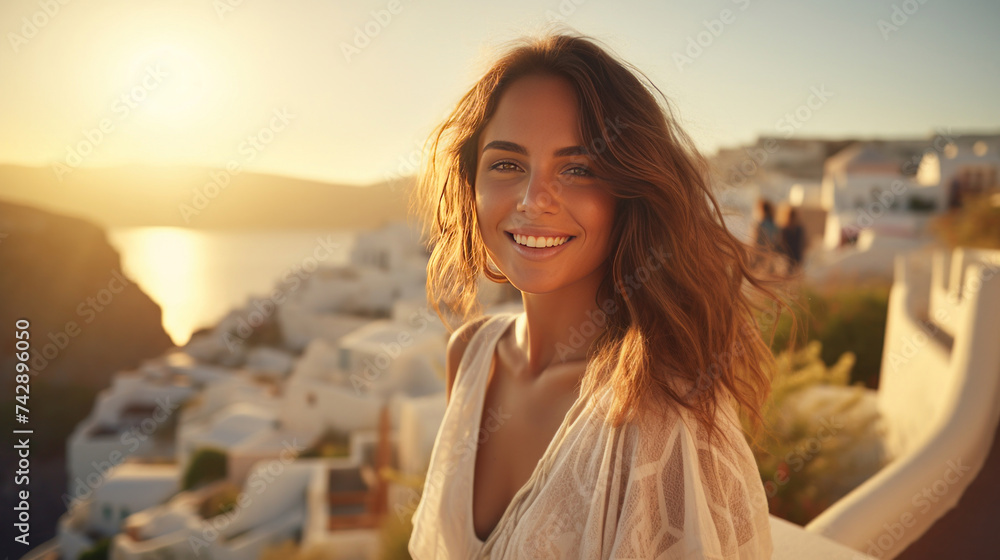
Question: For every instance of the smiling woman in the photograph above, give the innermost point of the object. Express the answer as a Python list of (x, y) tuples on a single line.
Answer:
[(619, 385), (537, 202)]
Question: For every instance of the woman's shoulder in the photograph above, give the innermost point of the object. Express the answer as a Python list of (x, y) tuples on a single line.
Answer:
[(458, 343), (673, 426), (669, 464)]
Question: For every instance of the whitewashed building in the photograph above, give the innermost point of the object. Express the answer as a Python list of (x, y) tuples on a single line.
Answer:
[(129, 488), (871, 185), (269, 508), (134, 418), (959, 164)]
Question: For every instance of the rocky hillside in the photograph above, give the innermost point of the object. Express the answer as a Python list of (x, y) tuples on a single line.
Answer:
[(88, 320)]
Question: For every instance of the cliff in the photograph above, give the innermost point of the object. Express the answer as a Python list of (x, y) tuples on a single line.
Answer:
[(88, 320)]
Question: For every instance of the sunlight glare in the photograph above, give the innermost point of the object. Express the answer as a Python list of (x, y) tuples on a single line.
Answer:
[(168, 260), (180, 95)]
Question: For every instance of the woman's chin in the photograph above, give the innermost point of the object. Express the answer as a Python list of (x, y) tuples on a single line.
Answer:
[(533, 283), (536, 284)]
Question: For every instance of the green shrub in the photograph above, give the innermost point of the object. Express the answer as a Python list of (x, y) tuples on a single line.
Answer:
[(332, 443), (221, 501), (99, 551), (976, 224), (850, 319), (823, 437), (207, 465), (920, 204), (395, 537)]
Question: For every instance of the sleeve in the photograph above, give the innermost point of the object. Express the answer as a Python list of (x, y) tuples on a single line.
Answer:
[(685, 499)]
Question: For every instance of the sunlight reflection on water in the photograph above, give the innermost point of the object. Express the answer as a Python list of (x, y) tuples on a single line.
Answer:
[(196, 277)]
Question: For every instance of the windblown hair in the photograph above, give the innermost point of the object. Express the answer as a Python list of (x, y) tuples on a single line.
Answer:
[(688, 332)]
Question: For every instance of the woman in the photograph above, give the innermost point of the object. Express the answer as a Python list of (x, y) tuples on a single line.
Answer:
[(600, 423)]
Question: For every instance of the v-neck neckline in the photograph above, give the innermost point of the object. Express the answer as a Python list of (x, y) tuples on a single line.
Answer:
[(481, 403)]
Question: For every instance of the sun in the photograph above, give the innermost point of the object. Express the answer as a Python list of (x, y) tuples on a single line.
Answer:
[(170, 101), (172, 87)]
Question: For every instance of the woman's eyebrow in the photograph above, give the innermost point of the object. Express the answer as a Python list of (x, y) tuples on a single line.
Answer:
[(519, 149)]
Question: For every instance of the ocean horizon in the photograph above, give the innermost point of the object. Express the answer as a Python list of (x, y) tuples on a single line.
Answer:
[(198, 276)]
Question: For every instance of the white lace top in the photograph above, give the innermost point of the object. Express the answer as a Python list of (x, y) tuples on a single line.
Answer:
[(650, 490)]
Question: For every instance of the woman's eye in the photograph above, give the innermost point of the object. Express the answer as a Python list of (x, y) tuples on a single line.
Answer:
[(504, 166), (579, 171)]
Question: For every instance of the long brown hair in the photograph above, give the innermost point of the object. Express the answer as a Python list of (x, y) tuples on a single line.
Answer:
[(688, 331)]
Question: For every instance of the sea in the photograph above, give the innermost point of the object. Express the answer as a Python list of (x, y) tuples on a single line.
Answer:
[(198, 276)]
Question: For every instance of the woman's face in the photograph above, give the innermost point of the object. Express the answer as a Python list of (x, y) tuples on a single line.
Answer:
[(545, 219)]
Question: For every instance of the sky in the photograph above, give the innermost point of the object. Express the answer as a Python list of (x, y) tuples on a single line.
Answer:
[(346, 92)]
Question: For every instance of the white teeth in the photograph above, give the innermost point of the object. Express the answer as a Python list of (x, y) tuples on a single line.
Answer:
[(539, 242)]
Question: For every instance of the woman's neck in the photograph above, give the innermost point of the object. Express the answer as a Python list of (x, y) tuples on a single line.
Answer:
[(558, 327)]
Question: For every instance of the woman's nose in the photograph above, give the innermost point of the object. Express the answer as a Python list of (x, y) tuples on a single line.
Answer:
[(540, 196)]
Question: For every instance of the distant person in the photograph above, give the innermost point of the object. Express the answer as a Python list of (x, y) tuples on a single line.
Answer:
[(600, 422), (793, 239), (767, 237), (767, 234)]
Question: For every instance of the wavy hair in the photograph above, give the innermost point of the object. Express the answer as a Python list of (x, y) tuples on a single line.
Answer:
[(687, 332)]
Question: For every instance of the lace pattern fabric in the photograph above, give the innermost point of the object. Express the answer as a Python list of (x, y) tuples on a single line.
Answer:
[(654, 489)]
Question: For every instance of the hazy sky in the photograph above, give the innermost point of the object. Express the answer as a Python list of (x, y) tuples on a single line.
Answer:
[(188, 81)]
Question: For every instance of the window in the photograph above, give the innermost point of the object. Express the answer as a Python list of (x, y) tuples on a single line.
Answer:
[(977, 177)]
